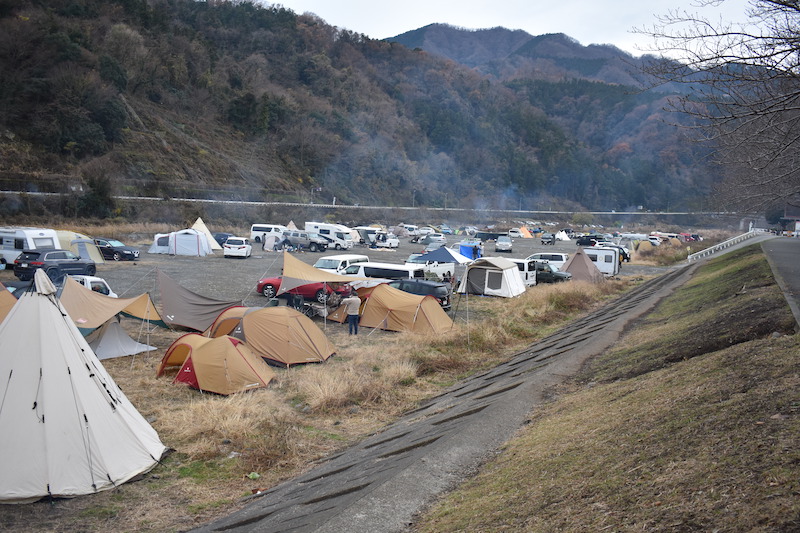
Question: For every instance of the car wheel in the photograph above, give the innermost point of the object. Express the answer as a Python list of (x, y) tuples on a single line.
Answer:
[(117, 256), (53, 274), (91, 270), (268, 291), (338, 246), (321, 296), (312, 247)]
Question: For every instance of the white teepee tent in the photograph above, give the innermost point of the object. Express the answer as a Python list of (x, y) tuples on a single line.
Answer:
[(66, 429)]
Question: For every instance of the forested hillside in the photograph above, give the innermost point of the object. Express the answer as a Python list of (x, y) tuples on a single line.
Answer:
[(233, 100)]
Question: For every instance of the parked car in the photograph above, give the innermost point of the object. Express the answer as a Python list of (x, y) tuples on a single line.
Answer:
[(624, 253), (547, 273), (237, 247), (56, 264), (446, 230), (424, 287), (222, 237), (426, 230), (318, 292), (304, 239), (586, 240), (95, 284), (116, 250), (515, 233), (548, 238), (434, 238), (555, 258), (503, 244)]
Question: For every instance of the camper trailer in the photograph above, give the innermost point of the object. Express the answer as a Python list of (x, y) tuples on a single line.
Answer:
[(15, 239), (339, 236), (605, 259)]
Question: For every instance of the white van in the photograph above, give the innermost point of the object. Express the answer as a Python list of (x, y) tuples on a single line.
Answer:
[(13, 240), (605, 259), (385, 271), (555, 259), (527, 271), (339, 236), (258, 232), (336, 264)]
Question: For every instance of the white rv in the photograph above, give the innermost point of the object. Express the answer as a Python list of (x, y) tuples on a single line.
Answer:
[(339, 236), (15, 239), (605, 259)]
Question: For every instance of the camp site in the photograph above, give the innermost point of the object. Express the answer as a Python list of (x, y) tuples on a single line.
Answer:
[(227, 392)]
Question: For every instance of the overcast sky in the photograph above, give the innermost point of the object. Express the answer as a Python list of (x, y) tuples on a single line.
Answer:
[(588, 21)]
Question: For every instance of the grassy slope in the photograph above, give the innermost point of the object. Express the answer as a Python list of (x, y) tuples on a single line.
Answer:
[(691, 424)]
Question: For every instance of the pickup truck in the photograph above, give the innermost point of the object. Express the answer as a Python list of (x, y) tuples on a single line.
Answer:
[(95, 284)]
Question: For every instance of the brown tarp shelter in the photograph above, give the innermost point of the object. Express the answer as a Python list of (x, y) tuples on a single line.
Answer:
[(90, 309), (281, 335), (394, 310), (297, 273), (525, 233), (223, 365), (7, 301), (582, 268), (181, 307)]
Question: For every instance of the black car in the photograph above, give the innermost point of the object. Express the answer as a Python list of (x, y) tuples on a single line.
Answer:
[(56, 264), (586, 241), (547, 273), (222, 237), (548, 238), (424, 287), (116, 250)]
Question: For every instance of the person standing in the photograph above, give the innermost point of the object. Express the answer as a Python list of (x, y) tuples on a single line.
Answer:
[(352, 304)]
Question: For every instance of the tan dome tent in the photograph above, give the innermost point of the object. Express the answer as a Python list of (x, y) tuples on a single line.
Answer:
[(66, 429), (582, 268), (281, 335), (394, 310), (223, 365), (492, 276)]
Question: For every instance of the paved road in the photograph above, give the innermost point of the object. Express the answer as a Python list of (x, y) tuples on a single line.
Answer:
[(783, 255)]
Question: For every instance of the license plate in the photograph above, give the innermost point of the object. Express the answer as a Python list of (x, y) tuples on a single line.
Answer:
[(23, 265)]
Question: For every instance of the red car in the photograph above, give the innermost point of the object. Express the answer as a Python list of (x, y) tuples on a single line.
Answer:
[(318, 292)]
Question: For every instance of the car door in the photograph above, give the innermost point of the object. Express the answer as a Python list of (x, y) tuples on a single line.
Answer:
[(71, 264)]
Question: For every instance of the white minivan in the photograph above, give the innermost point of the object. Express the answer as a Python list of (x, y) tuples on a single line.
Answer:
[(555, 259), (336, 264), (385, 270), (259, 232)]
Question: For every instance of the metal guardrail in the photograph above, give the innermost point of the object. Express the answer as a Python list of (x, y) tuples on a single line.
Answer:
[(721, 246)]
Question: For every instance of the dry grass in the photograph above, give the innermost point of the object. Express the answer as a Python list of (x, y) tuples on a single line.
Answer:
[(308, 412), (688, 442)]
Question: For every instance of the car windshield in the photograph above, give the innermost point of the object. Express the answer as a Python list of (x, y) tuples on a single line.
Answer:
[(327, 263), (113, 242), (415, 258)]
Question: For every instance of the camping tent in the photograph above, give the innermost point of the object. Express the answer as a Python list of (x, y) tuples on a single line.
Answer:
[(281, 335), (182, 307), (66, 429), (492, 276), (582, 268), (445, 255), (80, 245), (297, 273), (90, 309), (110, 340), (470, 249), (562, 236), (184, 242), (388, 308), (7, 301), (223, 365), (526, 234), (200, 226)]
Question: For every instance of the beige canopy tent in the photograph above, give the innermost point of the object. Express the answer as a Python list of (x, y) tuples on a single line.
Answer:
[(281, 335), (7, 301), (385, 307), (582, 268), (223, 365), (492, 276), (66, 429), (90, 309), (80, 244), (297, 273)]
